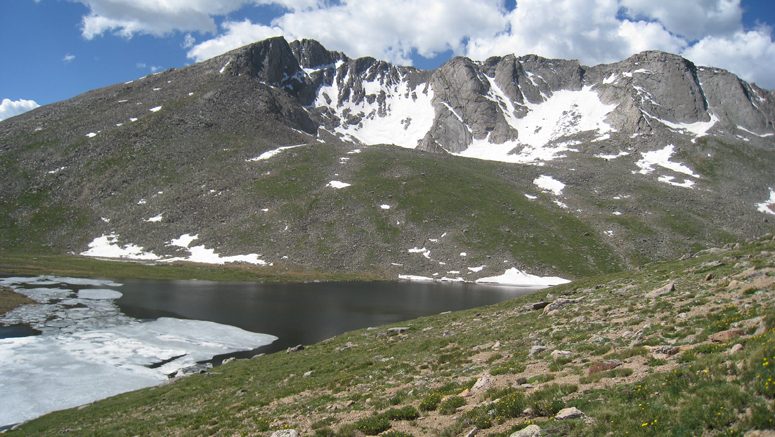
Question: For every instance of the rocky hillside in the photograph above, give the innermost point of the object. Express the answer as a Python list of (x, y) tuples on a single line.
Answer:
[(267, 155), (678, 348)]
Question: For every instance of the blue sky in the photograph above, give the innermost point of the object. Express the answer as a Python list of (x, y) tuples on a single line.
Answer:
[(55, 49)]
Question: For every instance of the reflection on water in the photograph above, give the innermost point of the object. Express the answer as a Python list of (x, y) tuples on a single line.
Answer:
[(303, 313)]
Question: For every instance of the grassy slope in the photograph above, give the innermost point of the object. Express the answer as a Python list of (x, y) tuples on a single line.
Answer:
[(320, 228), (78, 266), (357, 378)]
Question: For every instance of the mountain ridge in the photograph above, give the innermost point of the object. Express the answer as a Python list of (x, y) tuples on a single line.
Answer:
[(643, 159)]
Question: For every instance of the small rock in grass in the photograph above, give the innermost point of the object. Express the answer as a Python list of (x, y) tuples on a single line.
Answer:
[(528, 431), (604, 366), (286, 433), (228, 360), (736, 348), (557, 354), (539, 305), (482, 383), (760, 433), (297, 348), (725, 336), (569, 413), (398, 330), (536, 349), (496, 346), (348, 345), (667, 288), (665, 350), (559, 303), (473, 432), (307, 374)]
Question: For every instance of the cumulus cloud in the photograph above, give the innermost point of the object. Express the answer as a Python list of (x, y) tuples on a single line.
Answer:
[(235, 34), (127, 18), (709, 32), (10, 108), (691, 19), (371, 28), (748, 54)]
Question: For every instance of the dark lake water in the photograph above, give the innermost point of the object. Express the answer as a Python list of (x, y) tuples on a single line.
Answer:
[(303, 313)]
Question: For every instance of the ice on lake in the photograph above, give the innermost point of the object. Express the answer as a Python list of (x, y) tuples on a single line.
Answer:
[(89, 350)]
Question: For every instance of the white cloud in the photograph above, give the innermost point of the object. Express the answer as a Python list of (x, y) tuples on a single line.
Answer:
[(691, 19), (10, 108), (751, 55), (188, 41), (371, 27), (642, 35), (235, 34), (68, 58), (570, 29), (710, 32), (129, 17)]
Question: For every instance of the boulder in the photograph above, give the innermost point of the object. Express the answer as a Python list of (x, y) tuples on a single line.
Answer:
[(725, 336), (398, 330), (285, 433), (559, 303), (297, 348), (665, 350), (603, 366), (558, 354), (483, 383), (528, 431), (667, 288), (569, 413)]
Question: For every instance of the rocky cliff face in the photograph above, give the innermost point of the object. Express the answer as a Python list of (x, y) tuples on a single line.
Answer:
[(466, 102), (260, 151), (464, 106)]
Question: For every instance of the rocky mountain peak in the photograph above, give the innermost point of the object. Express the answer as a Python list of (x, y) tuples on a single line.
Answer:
[(310, 54), (271, 60)]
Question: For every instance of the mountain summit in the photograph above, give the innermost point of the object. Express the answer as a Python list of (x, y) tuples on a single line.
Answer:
[(260, 156)]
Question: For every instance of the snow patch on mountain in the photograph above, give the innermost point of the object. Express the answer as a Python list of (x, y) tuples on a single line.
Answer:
[(562, 114), (548, 183), (661, 158), (107, 246), (274, 152), (768, 206), (390, 112), (698, 129), (338, 184)]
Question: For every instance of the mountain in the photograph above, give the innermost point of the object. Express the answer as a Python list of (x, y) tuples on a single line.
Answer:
[(282, 155)]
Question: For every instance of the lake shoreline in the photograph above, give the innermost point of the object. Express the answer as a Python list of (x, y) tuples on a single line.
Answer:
[(81, 266)]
